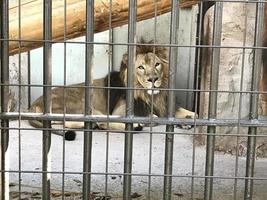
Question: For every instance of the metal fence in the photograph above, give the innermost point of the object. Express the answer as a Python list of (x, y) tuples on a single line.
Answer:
[(211, 122)]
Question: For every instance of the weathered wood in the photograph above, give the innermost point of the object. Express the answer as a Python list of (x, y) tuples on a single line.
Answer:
[(31, 31)]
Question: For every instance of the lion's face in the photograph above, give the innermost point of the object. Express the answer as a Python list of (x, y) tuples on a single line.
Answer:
[(149, 71)]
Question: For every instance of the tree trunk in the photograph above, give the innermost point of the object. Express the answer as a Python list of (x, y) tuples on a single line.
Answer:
[(31, 31)]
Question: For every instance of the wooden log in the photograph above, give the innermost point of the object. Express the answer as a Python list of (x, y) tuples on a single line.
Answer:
[(31, 31), (188, 3)]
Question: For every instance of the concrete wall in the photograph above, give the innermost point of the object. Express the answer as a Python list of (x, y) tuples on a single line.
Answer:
[(232, 60)]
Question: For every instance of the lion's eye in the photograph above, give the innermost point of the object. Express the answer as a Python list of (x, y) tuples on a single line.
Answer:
[(141, 67), (157, 64)]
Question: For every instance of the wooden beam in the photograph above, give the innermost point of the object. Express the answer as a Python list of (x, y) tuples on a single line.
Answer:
[(31, 31)]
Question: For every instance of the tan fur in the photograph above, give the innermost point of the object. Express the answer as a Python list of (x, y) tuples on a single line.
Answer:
[(74, 103), (154, 67)]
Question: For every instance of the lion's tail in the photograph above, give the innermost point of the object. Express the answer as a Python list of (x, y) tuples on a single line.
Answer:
[(36, 123), (69, 135)]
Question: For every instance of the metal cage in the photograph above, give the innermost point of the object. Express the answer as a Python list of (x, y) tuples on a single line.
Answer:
[(209, 180)]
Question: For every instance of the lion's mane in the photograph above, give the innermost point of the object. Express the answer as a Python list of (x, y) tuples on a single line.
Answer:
[(143, 101)]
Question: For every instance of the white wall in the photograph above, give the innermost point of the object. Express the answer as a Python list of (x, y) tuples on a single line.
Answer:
[(75, 63)]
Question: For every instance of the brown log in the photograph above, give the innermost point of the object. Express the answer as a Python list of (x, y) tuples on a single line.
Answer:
[(188, 3), (31, 31)]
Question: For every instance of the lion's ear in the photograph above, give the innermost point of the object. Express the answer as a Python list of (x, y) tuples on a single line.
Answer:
[(124, 62), (125, 59), (164, 60)]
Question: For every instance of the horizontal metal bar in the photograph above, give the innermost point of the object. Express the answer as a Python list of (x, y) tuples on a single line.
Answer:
[(177, 132), (140, 174), (145, 120), (134, 44), (127, 88)]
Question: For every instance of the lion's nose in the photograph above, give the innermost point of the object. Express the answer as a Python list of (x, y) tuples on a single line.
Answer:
[(152, 79)]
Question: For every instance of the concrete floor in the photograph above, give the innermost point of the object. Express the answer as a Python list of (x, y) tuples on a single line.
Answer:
[(31, 160)]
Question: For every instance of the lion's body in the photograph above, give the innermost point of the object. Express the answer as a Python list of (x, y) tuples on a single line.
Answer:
[(150, 80), (74, 99)]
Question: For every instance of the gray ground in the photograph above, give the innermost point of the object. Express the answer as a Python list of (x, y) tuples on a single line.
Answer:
[(31, 159)]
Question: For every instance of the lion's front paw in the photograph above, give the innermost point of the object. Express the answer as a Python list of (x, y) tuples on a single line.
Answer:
[(138, 127), (186, 114), (186, 127), (151, 123), (183, 113)]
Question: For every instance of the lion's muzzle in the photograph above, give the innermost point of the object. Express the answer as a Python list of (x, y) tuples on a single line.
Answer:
[(153, 79)]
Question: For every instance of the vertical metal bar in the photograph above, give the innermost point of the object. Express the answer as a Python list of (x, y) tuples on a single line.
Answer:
[(214, 76), (254, 98), (128, 145), (47, 80), (190, 71), (110, 67), (89, 51), (152, 104), (19, 63), (245, 8), (64, 100), (196, 95), (4, 57), (29, 78), (171, 101)]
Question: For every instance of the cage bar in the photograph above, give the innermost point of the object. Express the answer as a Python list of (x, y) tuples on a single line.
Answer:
[(167, 188), (170, 121), (196, 95), (128, 145), (64, 101), (254, 98), (152, 106), (245, 7), (47, 80), (29, 77), (213, 99), (19, 106), (146, 120), (89, 52), (4, 58), (110, 68)]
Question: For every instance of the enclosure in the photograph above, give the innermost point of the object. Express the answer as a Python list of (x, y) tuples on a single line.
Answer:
[(161, 99)]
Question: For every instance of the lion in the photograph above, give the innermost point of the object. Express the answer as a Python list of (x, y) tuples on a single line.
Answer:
[(150, 79)]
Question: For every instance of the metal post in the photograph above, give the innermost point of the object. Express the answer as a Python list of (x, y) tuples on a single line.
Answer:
[(252, 131), (29, 77), (4, 58), (196, 95), (110, 68), (213, 99), (89, 51), (128, 145), (64, 101), (240, 107), (47, 80), (171, 101)]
